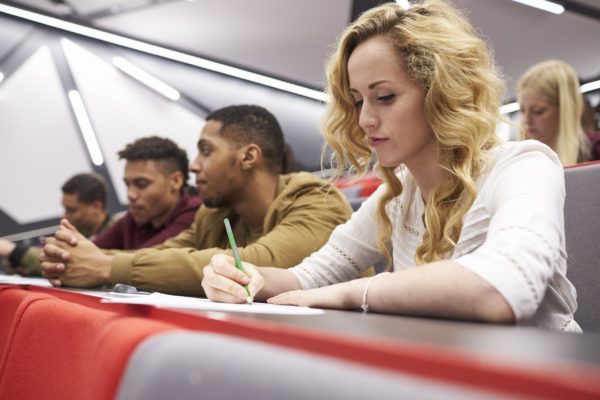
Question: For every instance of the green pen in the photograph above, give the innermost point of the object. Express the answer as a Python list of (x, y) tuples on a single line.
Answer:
[(236, 256)]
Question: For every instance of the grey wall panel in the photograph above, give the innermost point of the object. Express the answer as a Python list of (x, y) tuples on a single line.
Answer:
[(11, 33), (41, 146)]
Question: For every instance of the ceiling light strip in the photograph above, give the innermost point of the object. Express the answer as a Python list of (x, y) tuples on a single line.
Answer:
[(509, 108), (588, 87), (548, 6), (149, 80), (85, 125), (164, 52)]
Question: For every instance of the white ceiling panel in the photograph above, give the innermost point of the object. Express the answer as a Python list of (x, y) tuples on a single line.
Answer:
[(289, 39)]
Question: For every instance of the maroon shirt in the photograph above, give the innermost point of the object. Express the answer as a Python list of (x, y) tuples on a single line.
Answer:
[(594, 139), (125, 234)]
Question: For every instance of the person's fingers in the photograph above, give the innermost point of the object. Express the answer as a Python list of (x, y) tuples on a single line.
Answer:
[(256, 279), (52, 269), (220, 296), (293, 298), (52, 251), (67, 236), (221, 288), (70, 227), (67, 224), (225, 265)]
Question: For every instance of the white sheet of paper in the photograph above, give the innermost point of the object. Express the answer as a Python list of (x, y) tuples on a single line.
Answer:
[(22, 280), (165, 300)]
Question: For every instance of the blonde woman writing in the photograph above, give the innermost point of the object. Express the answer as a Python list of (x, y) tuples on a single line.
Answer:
[(472, 229)]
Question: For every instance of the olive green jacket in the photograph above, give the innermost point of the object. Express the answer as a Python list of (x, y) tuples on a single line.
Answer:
[(299, 221)]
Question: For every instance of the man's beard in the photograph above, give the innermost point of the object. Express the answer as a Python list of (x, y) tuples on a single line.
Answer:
[(217, 201)]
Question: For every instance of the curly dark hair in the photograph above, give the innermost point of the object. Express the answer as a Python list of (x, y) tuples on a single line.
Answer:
[(158, 149), (88, 187), (247, 124)]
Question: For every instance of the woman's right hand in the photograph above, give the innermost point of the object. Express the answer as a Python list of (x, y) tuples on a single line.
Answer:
[(224, 283)]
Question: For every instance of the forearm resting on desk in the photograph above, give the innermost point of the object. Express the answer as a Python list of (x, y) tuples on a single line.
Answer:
[(439, 289), (276, 281)]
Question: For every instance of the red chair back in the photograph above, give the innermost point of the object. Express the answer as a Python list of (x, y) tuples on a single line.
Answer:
[(65, 350)]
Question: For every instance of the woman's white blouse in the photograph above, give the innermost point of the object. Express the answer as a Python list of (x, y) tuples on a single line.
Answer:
[(512, 236)]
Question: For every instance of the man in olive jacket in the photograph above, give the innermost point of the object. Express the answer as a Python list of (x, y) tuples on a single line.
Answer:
[(277, 220)]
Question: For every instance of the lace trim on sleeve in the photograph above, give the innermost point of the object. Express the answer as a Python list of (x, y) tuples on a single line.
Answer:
[(521, 270), (309, 273), (347, 258)]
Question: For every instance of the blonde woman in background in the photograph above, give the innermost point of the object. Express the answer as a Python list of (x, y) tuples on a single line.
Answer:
[(472, 229), (551, 110)]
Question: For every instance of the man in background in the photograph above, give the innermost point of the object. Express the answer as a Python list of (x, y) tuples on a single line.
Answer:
[(156, 174), (84, 204)]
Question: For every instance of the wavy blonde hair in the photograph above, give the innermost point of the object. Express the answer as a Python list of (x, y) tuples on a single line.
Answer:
[(558, 82), (463, 92)]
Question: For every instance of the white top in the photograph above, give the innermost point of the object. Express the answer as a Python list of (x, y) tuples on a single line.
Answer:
[(512, 236)]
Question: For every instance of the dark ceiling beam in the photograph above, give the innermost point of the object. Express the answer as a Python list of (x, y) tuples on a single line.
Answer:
[(581, 9)]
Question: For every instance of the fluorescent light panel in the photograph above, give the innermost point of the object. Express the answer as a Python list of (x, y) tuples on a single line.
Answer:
[(588, 87), (164, 52), (85, 125), (509, 108), (548, 6), (151, 81)]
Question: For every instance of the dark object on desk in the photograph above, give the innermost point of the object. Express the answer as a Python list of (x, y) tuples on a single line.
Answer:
[(127, 289), (582, 234)]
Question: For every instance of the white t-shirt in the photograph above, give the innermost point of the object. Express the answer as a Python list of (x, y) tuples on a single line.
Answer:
[(512, 236)]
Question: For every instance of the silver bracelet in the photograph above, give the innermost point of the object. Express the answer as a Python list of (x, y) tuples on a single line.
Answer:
[(365, 306)]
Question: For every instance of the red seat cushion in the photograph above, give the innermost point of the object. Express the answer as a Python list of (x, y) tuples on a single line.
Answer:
[(67, 350), (14, 300)]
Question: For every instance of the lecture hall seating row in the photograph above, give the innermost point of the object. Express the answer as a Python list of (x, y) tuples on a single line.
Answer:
[(58, 344)]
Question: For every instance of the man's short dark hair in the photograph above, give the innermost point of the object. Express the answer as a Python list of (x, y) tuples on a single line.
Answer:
[(247, 124), (158, 149), (88, 187)]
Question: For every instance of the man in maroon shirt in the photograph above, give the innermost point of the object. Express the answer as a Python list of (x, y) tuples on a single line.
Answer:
[(156, 176)]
